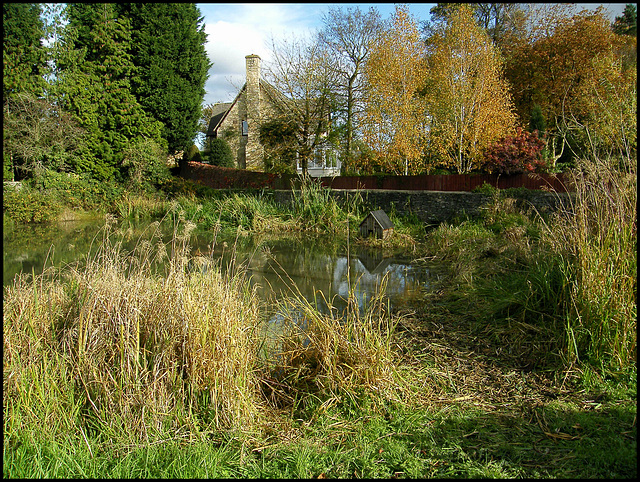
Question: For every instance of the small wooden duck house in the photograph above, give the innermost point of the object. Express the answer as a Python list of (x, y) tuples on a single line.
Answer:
[(376, 223)]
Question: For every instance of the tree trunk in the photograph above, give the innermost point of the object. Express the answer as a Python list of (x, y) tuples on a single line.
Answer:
[(349, 134)]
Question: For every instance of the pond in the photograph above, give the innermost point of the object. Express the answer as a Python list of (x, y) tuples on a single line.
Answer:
[(317, 267)]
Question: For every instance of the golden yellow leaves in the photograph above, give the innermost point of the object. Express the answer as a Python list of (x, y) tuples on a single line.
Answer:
[(467, 96), (395, 124)]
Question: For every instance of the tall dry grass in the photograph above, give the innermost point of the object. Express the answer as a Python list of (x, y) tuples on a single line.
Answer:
[(597, 238), (157, 341), (333, 355), (118, 345)]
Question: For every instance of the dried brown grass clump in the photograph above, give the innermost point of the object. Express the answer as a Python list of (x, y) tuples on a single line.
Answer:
[(135, 346), (333, 356)]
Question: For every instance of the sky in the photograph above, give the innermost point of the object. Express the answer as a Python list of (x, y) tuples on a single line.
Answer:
[(237, 30)]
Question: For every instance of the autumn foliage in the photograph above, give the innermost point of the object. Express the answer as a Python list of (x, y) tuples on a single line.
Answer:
[(396, 122), (515, 154), (466, 95), (550, 63)]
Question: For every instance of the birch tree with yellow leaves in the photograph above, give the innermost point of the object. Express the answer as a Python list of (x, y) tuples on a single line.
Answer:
[(395, 122), (465, 94)]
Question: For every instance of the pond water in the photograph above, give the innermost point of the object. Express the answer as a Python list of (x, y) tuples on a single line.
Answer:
[(319, 268)]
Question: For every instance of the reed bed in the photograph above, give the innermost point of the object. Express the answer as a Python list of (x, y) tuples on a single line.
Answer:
[(140, 206), (334, 356), (597, 240), (316, 210), (115, 344), (253, 213), (570, 277), (158, 341)]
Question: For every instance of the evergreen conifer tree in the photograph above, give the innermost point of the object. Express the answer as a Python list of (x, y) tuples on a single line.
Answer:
[(24, 59), (220, 153), (23, 55), (171, 66), (95, 87)]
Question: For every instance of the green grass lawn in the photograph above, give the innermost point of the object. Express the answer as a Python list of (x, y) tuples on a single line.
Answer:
[(582, 438)]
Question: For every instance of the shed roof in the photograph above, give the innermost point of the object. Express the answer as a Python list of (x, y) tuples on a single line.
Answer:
[(381, 218)]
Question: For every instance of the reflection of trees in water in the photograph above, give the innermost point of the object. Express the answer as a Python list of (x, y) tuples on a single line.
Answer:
[(328, 280), (348, 277), (355, 277), (283, 266), (28, 247)]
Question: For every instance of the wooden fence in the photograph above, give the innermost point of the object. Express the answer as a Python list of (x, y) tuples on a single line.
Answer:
[(450, 182), (226, 178)]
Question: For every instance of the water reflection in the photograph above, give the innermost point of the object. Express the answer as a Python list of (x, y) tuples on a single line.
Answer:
[(327, 278), (27, 248), (319, 268)]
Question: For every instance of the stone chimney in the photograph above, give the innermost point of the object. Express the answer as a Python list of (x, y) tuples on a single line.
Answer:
[(254, 150)]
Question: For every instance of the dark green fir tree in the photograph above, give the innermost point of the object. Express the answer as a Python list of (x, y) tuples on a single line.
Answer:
[(171, 66), (96, 88)]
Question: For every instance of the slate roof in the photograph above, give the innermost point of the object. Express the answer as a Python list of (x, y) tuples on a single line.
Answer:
[(218, 112), (221, 110)]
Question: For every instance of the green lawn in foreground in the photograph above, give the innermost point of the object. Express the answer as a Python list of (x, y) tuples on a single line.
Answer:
[(564, 439)]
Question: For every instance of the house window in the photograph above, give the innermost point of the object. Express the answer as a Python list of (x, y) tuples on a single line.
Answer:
[(245, 128)]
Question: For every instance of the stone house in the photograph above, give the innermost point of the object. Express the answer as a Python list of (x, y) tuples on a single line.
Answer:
[(239, 122)]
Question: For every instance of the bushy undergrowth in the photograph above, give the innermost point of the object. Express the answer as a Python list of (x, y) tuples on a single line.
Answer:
[(570, 277), (44, 197), (28, 205)]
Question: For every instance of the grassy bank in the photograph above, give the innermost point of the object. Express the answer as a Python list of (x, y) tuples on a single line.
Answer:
[(569, 281), (139, 373), (124, 348), (55, 197), (521, 364)]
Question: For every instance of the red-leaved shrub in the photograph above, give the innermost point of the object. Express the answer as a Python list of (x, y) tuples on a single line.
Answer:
[(515, 154)]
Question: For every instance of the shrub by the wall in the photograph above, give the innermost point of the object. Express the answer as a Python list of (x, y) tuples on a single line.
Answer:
[(145, 163), (515, 154), (220, 153), (193, 154)]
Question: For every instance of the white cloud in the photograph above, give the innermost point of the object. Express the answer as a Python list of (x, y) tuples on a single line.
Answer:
[(227, 45), (237, 30)]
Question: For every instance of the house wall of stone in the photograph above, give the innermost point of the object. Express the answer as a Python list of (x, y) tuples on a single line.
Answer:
[(231, 131), (253, 105)]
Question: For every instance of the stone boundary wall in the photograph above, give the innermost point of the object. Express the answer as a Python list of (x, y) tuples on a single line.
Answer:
[(435, 207), (431, 207)]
